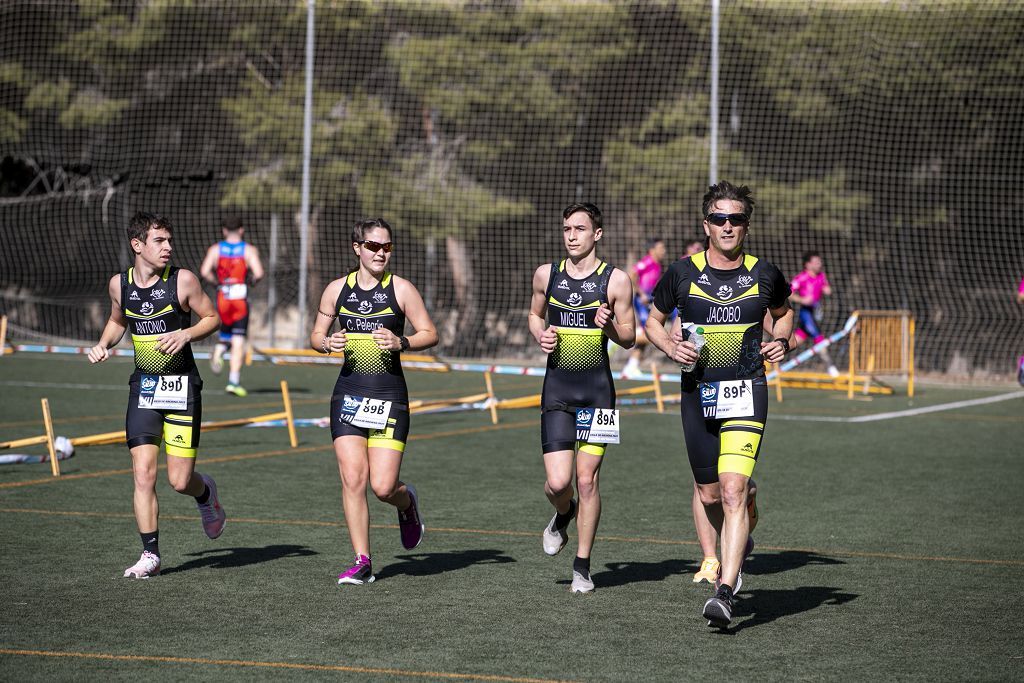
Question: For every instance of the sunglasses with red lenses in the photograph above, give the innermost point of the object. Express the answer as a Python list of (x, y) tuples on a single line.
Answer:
[(374, 247)]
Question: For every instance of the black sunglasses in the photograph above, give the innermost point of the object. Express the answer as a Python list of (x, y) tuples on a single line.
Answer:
[(740, 220), (374, 247)]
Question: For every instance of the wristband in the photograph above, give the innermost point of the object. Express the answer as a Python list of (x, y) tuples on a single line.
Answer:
[(326, 348), (784, 342), (404, 343)]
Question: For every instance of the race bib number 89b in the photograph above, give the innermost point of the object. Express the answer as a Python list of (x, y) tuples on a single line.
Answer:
[(597, 425), (163, 392), (369, 413)]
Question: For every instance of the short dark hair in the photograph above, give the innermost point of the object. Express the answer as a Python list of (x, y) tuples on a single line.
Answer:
[(141, 222), (232, 223), (652, 242), (360, 228), (808, 255), (726, 190), (586, 207)]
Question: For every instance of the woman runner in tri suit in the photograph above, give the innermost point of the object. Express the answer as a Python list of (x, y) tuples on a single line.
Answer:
[(370, 405)]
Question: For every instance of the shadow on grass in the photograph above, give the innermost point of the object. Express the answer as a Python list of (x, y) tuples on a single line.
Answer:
[(760, 564), (226, 558), (429, 564), (624, 573), (766, 606)]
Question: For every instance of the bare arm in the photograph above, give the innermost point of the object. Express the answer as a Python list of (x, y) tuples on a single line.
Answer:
[(253, 263), (616, 317), (547, 337), (208, 269), (671, 345), (115, 327), (411, 303), (319, 339), (782, 328)]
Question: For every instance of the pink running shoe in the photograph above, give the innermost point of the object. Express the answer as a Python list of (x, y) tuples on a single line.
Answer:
[(410, 525), (211, 512), (359, 573), (147, 566)]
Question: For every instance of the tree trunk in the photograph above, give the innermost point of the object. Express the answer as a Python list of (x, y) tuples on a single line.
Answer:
[(461, 266)]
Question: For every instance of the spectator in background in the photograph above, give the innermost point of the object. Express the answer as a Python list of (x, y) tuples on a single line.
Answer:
[(644, 275), (809, 287), (692, 247)]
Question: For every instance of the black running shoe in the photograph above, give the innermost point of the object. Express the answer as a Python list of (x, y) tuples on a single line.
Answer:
[(718, 610)]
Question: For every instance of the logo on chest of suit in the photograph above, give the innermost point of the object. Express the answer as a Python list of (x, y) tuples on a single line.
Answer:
[(703, 279), (157, 294), (744, 281), (574, 299), (146, 308), (352, 297), (134, 296), (724, 292), (589, 286), (365, 307), (564, 284), (380, 297)]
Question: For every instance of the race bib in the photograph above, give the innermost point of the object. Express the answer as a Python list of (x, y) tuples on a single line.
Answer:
[(232, 292), (729, 399), (163, 392), (369, 413), (597, 425)]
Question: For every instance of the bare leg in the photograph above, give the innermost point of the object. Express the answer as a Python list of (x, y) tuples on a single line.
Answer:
[(588, 467)]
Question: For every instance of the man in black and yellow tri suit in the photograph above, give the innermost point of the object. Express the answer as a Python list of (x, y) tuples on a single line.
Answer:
[(578, 304), (725, 291), (154, 302)]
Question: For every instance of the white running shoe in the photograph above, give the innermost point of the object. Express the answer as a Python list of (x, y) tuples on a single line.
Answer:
[(147, 566), (581, 583), (555, 538), (216, 363), (211, 512)]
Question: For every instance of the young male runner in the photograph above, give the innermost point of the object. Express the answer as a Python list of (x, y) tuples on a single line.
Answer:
[(154, 302), (578, 303)]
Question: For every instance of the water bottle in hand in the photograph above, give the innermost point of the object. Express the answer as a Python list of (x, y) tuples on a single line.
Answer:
[(697, 337)]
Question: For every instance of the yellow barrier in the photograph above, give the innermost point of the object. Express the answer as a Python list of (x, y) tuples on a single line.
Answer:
[(882, 343), (46, 438)]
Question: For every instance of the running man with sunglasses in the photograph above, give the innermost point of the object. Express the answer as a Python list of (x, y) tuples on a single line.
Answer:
[(370, 405), (578, 304), (726, 291)]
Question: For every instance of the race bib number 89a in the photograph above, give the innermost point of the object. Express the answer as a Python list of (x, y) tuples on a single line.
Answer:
[(369, 413), (597, 425), (163, 392)]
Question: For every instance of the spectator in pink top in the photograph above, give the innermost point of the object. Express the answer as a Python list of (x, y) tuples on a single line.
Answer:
[(809, 287), (645, 275)]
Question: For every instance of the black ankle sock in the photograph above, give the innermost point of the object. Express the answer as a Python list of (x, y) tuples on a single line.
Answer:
[(581, 565), (563, 520), (727, 588), (204, 497), (151, 542)]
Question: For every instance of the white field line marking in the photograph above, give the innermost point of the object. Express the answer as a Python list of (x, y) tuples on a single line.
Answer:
[(61, 385), (904, 413)]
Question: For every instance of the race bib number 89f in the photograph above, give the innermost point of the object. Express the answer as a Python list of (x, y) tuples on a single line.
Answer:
[(725, 400)]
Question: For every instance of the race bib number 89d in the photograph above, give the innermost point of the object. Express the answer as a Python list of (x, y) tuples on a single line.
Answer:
[(597, 425), (163, 392), (369, 413)]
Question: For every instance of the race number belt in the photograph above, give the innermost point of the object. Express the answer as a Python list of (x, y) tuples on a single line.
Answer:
[(369, 413), (163, 392), (232, 292), (597, 425), (728, 399)]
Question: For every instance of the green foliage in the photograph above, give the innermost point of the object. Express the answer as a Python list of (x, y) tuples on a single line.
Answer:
[(92, 108), (49, 95), (12, 126)]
